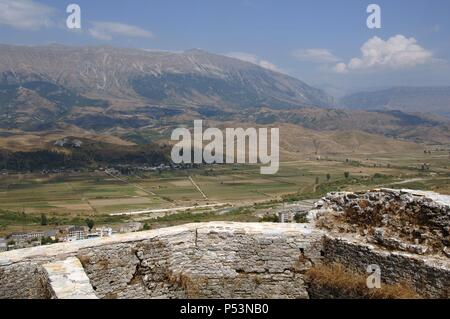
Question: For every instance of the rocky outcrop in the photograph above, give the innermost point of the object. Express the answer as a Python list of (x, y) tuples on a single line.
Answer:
[(404, 220), (403, 232)]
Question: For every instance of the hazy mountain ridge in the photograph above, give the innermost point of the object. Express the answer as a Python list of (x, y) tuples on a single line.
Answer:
[(434, 100), (393, 124), (157, 77)]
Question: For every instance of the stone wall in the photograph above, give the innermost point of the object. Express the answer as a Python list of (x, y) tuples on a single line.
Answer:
[(23, 280), (212, 260), (430, 276)]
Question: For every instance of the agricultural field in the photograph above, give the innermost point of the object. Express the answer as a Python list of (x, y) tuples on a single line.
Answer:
[(71, 198)]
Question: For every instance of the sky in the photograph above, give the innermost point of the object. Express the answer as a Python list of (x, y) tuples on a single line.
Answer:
[(325, 43)]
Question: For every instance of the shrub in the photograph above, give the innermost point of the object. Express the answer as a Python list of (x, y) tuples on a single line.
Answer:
[(300, 218), (270, 219), (44, 221)]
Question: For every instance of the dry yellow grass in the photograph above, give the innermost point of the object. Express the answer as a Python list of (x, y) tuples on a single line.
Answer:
[(348, 284)]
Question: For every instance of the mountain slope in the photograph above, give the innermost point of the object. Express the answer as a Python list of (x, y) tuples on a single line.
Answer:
[(137, 96), (193, 78), (434, 100)]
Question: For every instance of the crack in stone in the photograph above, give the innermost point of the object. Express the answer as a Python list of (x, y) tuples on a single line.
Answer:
[(196, 238), (137, 275)]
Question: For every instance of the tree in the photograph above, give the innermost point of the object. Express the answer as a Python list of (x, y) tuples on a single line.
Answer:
[(146, 226), (328, 177), (48, 241), (90, 223), (301, 218), (347, 175), (44, 221), (270, 219)]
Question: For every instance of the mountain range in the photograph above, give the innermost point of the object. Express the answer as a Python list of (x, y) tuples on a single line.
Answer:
[(131, 96)]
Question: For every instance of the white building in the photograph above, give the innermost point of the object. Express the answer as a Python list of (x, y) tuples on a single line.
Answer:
[(101, 232), (24, 237), (3, 245), (286, 217), (105, 231)]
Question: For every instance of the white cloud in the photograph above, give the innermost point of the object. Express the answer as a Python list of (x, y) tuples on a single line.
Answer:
[(25, 14), (252, 58), (315, 55), (398, 52), (340, 68), (107, 30)]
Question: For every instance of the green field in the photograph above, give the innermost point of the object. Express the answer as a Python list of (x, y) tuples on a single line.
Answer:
[(70, 198)]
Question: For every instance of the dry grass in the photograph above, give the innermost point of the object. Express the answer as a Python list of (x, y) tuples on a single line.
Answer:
[(344, 283)]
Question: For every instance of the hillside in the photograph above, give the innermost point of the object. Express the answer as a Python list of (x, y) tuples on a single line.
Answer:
[(191, 78), (137, 97)]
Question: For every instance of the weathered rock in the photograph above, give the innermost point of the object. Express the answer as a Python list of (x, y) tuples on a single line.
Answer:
[(399, 219)]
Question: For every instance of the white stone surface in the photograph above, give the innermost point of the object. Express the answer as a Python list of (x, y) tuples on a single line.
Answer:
[(67, 280)]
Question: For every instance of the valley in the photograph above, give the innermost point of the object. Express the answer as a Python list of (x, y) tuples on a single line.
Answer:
[(85, 135), (69, 198)]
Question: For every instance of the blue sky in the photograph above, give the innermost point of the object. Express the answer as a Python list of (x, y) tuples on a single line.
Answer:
[(316, 41)]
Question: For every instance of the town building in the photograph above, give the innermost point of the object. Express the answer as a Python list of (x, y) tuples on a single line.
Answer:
[(100, 232), (35, 235), (23, 237), (18, 237), (77, 233), (105, 231), (286, 217)]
